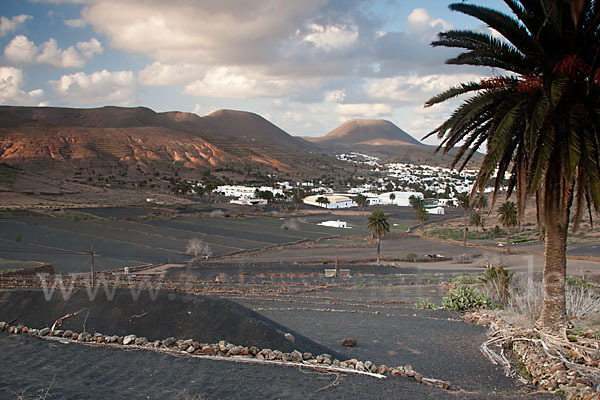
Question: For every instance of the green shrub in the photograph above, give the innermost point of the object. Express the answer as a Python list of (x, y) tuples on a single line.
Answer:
[(465, 298), (497, 279), (18, 238), (425, 305), (465, 280), (579, 283), (412, 257)]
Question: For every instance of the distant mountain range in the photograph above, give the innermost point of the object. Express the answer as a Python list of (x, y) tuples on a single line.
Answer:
[(117, 140), (84, 137)]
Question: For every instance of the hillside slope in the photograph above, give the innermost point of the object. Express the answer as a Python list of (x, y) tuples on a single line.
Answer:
[(368, 132)]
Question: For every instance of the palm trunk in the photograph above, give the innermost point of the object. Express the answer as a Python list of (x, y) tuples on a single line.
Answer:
[(557, 199), (554, 313), (465, 229), (508, 240), (378, 248)]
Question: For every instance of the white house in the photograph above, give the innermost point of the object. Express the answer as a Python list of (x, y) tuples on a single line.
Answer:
[(400, 198), (436, 210), (248, 201), (334, 224), (335, 201), (245, 191)]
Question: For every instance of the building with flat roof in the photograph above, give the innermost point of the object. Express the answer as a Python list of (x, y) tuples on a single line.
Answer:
[(333, 201)]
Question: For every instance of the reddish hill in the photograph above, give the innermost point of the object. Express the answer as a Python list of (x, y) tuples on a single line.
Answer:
[(366, 132), (130, 136)]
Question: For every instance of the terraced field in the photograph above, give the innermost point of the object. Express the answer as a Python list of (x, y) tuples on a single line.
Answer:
[(65, 243)]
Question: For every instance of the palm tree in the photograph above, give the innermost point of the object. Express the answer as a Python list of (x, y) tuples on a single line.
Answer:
[(392, 197), (464, 202), (481, 203), (416, 202), (362, 201), (539, 116), (297, 197), (478, 220), (323, 201), (377, 223), (422, 216), (507, 213)]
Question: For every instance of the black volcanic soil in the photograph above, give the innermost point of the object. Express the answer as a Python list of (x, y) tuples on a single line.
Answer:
[(438, 347), (155, 316)]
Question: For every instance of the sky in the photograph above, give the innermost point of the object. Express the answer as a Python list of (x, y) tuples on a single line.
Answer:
[(305, 65)]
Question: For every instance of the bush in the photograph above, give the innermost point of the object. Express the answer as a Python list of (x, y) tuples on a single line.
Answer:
[(412, 257), (497, 281), (582, 298), (425, 305), (465, 298), (465, 280), (526, 297)]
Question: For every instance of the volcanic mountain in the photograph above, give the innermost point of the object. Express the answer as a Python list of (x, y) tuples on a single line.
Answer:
[(383, 139), (99, 137), (372, 132)]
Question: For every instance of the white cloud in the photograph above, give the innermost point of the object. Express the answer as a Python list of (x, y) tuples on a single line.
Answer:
[(102, 87), (363, 110), (414, 88), (89, 49), (12, 81), (20, 50), (331, 37), (223, 82), (335, 96), (23, 51), (10, 25), (292, 117), (52, 55), (159, 74), (75, 23), (422, 22), (208, 31), (204, 110)]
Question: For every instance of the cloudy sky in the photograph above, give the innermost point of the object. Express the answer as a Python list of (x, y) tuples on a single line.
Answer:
[(305, 65)]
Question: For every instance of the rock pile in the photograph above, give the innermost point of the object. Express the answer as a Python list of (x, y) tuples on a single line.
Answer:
[(225, 349), (552, 364)]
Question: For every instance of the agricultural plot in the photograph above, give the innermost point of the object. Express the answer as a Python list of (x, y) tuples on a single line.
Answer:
[(65, 243)]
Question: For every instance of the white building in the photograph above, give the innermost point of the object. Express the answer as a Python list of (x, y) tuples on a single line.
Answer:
[(248, 201), (399, 198), (334, 224), (437, 210), (335, 201), (245, 191)]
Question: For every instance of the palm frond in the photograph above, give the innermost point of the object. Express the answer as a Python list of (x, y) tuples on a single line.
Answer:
[(508, 27), (453, 92)]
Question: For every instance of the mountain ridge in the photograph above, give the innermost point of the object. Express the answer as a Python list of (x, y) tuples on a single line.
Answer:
[(375, 132), (139, 135)]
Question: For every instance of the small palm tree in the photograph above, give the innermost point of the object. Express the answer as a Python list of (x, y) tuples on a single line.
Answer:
[(416, 202), (362, 201), (297, 197), (464, 202), (477, 220), (323, 200), (508, 218), (392, 197), (422, 216), (481, 203), (377, 223)]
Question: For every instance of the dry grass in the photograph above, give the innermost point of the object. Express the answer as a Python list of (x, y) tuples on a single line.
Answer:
[(527, 294)]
